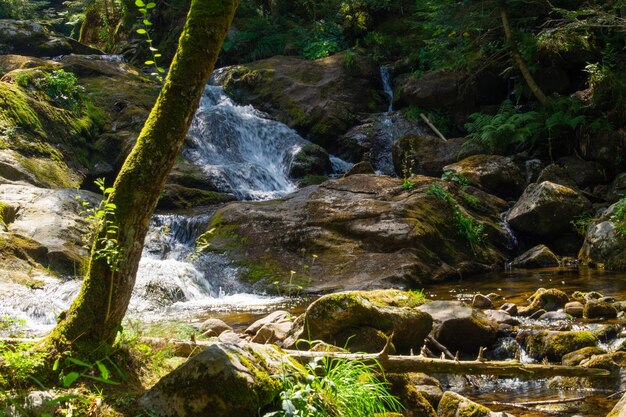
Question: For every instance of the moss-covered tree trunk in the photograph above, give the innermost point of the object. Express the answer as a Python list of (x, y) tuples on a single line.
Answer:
[(96, 313)]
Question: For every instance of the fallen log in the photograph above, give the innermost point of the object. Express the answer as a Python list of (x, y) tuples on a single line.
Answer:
[(397, 363)]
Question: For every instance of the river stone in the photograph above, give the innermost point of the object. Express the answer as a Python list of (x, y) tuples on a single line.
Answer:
[(455, 405), (576, 357), (336, 317), (510, 308), (425, 154), (274, 317), (556, 174), (365, 231), (501, 317), (363, 167), (273, 332), (460, 327), (553, 345), (550, 299), (303, 93), (493, 173), (547, 209), (554, 316), (415, 402), (599, 309), (213, 327), (539, 256), (224, 380), (310, 160), (481, 301), (604, 245), (574, 308), (620, 408)]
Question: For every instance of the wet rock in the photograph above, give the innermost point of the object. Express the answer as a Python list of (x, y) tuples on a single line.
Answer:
[(425, 154), (550, 299), (501, 317), (273, 332), (574, 308), (556, 174), (539, 256), (176, 196), (604, 245), (33, 39), (553, 345), (303, 93), (583, 297), (455, 405), (213, 327), (510, 308), (620, 306), (536, 314), (576, 357), (274, 317), (546, 209), (366, 315), (229, 336), (224, 380), (362, 167), (156, 293), (481, 301), (459, 327), (428, 386), (311, 159), (599, 309), (493, 173), (353, 226), (554, 316)]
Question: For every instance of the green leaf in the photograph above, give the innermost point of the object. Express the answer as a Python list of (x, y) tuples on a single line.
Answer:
[(106, 381), (140, 3), (150, 5), (56, 365), (104, 371), (70, 378), (141, 31), (149, 62), (78, 362), (157, 55)]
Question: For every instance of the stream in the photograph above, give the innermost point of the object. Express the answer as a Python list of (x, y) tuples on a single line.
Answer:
[(249, 155)]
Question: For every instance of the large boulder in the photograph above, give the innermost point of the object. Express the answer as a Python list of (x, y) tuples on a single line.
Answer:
[(33, 39), (459, 327), (604, 244), (493, 173), (52, 219), (547, 209), (425, 154), (360, 320), (359, 232), (539, 256), (434, 90), (320, 99), (224, 380), (583, 173)]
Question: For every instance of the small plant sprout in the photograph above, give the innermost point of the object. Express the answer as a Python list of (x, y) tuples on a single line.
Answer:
[(144, 9)]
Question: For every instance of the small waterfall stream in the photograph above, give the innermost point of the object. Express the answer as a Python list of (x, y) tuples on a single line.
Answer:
[(385, 75)]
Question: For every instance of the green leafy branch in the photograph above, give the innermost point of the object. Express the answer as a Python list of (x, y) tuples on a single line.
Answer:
[(144, 9)]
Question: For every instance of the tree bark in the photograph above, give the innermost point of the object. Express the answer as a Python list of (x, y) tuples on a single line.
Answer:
[(517, 57), (94, 318)]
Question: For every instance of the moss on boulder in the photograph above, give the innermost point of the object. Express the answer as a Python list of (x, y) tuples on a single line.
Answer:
[(335, 318), (553, 345), (550, 299)]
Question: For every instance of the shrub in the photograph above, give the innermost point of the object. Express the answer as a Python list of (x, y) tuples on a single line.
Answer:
[(63, 88)]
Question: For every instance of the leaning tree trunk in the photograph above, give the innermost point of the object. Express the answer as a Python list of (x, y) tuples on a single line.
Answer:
[(517, 57), (95, 315)]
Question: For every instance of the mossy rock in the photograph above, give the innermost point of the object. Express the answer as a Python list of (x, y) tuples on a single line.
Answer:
[(576, 357), (599, 309), (224, 380), (176, 196), (455, 405), (335, 318), (553, 345), (550, 299), (415, 404)]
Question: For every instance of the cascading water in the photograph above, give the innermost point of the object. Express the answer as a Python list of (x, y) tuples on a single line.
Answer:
[(385, 75), (242, 152)]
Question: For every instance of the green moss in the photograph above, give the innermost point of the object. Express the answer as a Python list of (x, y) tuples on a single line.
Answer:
[(221, 236), (267, 271), (554, 345), (312, 180), (474, 410), (178, 196)]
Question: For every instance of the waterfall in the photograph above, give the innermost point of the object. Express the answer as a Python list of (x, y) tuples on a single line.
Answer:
[(240, 149), (385, 75)]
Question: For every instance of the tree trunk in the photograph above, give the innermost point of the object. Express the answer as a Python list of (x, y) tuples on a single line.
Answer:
[(94, 318), (519, 60)]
